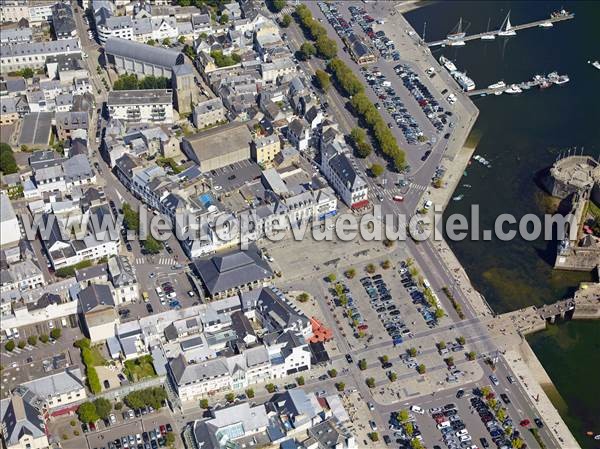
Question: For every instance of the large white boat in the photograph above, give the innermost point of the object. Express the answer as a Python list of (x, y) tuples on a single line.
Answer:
[(449, 65), (513, 89), (506, 29), (596, 64), (498, 85), (463, 80)]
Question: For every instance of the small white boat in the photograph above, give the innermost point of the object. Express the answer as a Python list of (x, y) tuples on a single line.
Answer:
[(546, 25), (488, 37), (457, 43), (596, 64), (513, 89), (498, 85), (458, 197)]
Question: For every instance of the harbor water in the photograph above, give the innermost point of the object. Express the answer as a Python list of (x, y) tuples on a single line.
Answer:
[(521, 136)]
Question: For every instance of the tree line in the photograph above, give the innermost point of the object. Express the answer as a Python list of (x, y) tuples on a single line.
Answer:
[(131, 82)]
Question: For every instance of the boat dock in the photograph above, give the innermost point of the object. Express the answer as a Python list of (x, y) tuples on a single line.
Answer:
[(492, 34), (537, 81)]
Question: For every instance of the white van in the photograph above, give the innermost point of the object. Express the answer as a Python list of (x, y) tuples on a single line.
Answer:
[(159, 292), (16, 332), (8, 333)]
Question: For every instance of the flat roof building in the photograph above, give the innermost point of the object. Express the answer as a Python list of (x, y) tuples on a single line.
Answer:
[(219, 147), (151, 105)]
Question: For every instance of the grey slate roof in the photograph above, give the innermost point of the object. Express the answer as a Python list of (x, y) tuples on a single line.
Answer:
[(21, 418), (96, 295), (63, 382), (37, 48), (232, 269), (142, 52)]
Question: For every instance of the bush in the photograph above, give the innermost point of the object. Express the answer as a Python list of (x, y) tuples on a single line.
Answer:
[(276, 5), (22, 344), (471, 355), (332, 372), (362, 364), (44, 338), (55, 334), (331, 277), (10, 346), (250, 393), (73, 423), (370, 382), (412, 352), (461, 340), (32, 340), (300, 380), (8, 165), (204, 404), (370, 268), (386, 264), (230, 397), (350, 273), (302, 297), (270, 388), (373, 436), (421, 369), (93, 380), (118, 405)]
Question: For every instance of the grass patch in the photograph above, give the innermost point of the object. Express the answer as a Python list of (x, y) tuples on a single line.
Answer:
[(140, 368)]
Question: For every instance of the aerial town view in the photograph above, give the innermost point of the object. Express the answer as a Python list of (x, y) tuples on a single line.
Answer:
[(299, 224)]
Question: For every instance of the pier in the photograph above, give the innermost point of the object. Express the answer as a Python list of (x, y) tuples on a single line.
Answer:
[(538, 81), (538, 23)]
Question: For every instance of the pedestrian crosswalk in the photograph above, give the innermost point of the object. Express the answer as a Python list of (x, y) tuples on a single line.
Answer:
[(376, 192), (287, 10), (155, 260)]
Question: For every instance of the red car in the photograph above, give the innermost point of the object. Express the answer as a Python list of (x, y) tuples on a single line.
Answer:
[(525, 423), (163, 429)]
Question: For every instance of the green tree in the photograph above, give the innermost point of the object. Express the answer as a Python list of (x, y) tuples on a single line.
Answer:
[(409, 428), (170, 439), (82, 343), (392, 376), (44, 338), (277, 5), (250, 393), (223, 19), (32, 340), (286, 21), (8, 165), (340, 386), (371, 268), (331, 277), (103, 407), (10, 345), (386, 264), (222, 60), (350, 273), (152, 245), (204, 403), (303, 297), (439, 313), (326, 47), (87, 413), (270, 388), (55, 334), (415, 443), (373, 436), (471, 355), (403, 415), (166, 41), (323, 79), (384, 359), (332, 372), (307, 50), (421, 369), (362, 364), (151, 42), (461, 340), (370, 382), (300, 380), (181, 39), (412, 352), (441, 345), (21, 344), (230, 397), (376, 170), (118, 405)]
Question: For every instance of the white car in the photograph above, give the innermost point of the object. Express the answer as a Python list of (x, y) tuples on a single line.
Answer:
[(494, 380), (464, 438), (417, 409), (443, 424), (371, 407), (462, 432), (373, 425)]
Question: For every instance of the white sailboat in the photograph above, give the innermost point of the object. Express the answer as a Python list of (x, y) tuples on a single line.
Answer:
[(458, 34), (506, 29), (488, 36)]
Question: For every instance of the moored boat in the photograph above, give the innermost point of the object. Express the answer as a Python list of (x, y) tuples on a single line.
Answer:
[(513, 89)]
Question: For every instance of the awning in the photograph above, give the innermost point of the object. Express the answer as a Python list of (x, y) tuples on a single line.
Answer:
[(360, 204)]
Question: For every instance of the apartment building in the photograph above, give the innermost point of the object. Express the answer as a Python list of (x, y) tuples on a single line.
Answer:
[(152, 105), (33, 54), (208, 113)]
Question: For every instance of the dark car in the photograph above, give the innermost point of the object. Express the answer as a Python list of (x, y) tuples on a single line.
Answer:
[(349, 358), (387, 439), (426, 155), (106, 384), (460, 393), (505, 398), (169, 427), (149, 308), (129, 247), (484, 442), (538, 422)]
